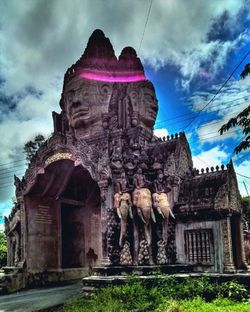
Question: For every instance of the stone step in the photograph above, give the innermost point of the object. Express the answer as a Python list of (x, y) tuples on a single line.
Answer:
[(12, 270), (88, 291), (142, 270)]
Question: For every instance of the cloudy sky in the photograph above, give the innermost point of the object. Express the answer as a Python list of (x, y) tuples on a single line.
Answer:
[(189, 49)]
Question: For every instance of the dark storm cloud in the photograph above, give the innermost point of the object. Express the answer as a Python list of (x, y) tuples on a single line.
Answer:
[(224, 28), (33, 28)]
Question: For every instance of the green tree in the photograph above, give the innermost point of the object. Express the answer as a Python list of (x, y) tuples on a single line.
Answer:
[(3, 249), (32, 146), (242, 120), (246, 212)]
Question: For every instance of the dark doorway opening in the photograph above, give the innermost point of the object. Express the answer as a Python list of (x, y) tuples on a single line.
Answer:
[(73, 245), (236, 241)]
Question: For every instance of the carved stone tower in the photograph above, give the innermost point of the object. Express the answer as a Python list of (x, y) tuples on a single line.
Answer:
[(103, 190)]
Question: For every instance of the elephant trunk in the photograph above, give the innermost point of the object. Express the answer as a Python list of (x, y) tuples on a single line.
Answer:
[(123, 231)]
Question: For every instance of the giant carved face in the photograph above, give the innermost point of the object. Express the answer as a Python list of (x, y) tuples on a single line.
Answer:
[(85, 101), (143, 100), (149, 107)]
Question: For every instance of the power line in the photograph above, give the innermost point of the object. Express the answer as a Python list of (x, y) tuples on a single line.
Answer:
[(246, 188), (9, 174), (245, 97), (242, 175), (219, 90), (204, 125), (209, 166), (193, 113), (243, 156), (12, 162), (145, 25)]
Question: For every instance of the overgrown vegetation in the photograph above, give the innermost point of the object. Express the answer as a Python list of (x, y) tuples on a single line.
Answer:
[(246, 212), (32, 146), (242, 120), (3, 249), (166, 294)]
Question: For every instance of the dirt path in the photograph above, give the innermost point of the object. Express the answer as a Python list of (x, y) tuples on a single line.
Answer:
[(38, 299)]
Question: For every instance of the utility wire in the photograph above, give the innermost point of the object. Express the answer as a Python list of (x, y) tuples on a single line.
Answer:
[(219, 90), (193, 113), (161, 121), (21, 170), (12, 162), (145, 26), (246, 188)]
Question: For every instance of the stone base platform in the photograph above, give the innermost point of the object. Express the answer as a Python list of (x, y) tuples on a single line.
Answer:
[(103, 277), (14, 279), (141, 270)]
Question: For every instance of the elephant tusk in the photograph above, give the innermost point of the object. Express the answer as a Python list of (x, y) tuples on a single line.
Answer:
[(119, 213), (171, 213), (160, 212), (131, 213), (153, 216), (141, 215)]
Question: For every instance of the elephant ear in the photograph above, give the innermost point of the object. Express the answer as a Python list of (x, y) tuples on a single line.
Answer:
[(135, 197)]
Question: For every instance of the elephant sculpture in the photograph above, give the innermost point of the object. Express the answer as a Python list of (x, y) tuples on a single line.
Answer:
[(123, 206), (142, 200), (162, 205)]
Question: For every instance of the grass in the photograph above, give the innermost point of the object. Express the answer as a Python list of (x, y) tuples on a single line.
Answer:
[(165, 295)]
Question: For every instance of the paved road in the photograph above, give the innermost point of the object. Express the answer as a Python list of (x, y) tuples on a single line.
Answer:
[(37, 299)]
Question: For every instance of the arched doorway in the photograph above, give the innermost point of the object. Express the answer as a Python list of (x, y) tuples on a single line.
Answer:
[(64, 219), (80, 220)]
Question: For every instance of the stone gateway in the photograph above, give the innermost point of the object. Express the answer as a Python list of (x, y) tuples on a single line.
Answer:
[(104, 191)]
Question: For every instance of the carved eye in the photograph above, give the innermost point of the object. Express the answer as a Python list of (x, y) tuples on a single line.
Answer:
[(105, 89), (149, 97), (133, 95), (71, 95), (85, 94)]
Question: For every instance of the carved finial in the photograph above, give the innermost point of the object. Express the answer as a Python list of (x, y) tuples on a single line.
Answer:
[(172, 136), (168, 137), (212, 169), (207, 169), (197, 171), (202, 170), (176, 135), (164, 138), (217, 168), (222, 167)]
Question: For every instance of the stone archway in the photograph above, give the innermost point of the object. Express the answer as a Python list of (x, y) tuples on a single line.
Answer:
[(64, 215)]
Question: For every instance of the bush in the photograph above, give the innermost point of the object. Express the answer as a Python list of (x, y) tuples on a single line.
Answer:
[(3, 249), (233, 290), (166, 294)]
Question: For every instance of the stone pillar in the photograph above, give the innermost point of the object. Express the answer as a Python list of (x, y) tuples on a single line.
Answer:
[(8, 251), (23, 234), (106, 202), (243, 254), (227, 245)]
